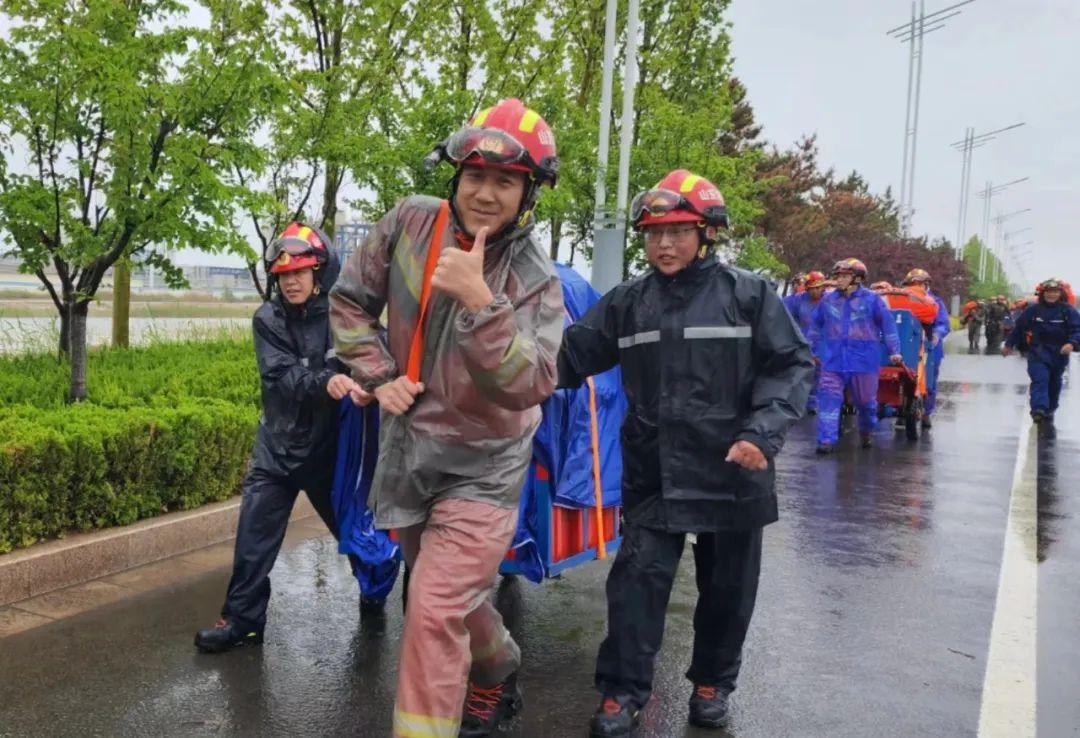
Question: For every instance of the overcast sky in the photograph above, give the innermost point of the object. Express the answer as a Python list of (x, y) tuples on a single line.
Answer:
[(828, 67)]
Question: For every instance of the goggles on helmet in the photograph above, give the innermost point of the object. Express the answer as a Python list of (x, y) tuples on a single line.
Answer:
[(491, 145), (659, 202), (288, 245)]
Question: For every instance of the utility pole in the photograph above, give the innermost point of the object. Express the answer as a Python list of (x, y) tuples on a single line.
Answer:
[(988, 196), (998, 250), (609, 229), (966, 147), (913, 34)]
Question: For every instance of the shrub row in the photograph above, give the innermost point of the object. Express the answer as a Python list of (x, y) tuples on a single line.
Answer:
[(166, 428)]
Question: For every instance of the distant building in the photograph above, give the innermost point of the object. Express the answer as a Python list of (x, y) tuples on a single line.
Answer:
[(348, 237)]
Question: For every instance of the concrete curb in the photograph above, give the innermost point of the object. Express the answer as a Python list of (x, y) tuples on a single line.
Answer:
[(82, 557)]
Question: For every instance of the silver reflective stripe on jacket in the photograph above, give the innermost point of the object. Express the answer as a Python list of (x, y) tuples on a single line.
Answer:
[(639, 338), (718, 331)]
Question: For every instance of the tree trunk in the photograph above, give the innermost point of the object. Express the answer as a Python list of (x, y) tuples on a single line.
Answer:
[(64, 348), (330, 191), (77, 355), (556, 236), (121, 309), (264, 292)]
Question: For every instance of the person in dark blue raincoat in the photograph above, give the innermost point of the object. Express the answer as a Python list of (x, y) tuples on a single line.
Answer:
[(296, 442), (1051, 330), (802, 305)]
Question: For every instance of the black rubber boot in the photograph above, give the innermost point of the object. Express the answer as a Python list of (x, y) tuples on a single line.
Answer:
[(225, 636), (370, 606), (825, 448), (866, 440), (488, 710), (708, 707), (927, 424), (616, 716)]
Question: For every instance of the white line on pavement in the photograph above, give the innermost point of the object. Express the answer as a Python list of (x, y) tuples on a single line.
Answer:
[(1009, 694)]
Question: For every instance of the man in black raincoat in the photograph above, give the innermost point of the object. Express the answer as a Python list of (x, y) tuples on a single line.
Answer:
[(715, 372), (296, 442)]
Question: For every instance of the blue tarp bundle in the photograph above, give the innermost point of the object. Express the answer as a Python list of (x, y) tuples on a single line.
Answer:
[(358, 449), (563, 442)]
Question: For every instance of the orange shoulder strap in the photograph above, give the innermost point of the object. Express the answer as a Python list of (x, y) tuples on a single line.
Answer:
[(416, 349)]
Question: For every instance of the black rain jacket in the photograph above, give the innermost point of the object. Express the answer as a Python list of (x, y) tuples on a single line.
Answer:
[(294, 349), (709, 356)]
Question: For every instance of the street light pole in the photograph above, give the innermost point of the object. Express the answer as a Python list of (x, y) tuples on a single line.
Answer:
[(609, 231)]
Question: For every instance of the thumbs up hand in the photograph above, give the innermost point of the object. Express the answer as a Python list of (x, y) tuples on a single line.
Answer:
[(460, 274)]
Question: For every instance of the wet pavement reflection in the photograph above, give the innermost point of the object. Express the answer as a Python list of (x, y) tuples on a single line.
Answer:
[(873, 618)]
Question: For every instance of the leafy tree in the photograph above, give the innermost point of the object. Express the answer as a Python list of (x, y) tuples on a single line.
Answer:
[(119, 119), (332, 110), (981, 289)]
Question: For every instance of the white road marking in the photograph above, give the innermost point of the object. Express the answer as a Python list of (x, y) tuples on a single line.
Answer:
[(1009, 692)]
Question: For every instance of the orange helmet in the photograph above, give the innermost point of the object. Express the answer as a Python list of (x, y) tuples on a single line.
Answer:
[(851, 266), (916, 276), (507, 135), (815, 279), (298, 247), (680, 197)]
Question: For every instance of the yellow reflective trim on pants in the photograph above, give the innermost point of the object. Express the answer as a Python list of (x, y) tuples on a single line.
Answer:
[(528, 121), (413, 725), (688, 183)]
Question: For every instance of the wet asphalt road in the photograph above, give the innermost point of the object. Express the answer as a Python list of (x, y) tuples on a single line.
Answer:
[(874, 614)]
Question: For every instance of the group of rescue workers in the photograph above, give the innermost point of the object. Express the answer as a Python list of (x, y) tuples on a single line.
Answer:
[(994, 318), (450, 317), (846, 324)]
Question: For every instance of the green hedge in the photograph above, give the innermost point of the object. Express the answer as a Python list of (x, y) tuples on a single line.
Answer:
[(168, 427)]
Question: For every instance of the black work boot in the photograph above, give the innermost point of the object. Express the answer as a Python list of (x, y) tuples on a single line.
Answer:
[(866, 440), (708, 707), (372, 606), (225, 636), (489, 709), (616, 716), (825, 449), (927, 424)]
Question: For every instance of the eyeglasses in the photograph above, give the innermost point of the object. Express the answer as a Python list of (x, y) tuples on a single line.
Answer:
[(655, 234)]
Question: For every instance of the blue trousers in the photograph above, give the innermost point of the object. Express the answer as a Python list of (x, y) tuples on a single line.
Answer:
[(830, 397), (933, 369), (1046, 373), (811, 400)]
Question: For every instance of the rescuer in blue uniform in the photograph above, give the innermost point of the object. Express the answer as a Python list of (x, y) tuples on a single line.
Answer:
[(1051, 330)]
